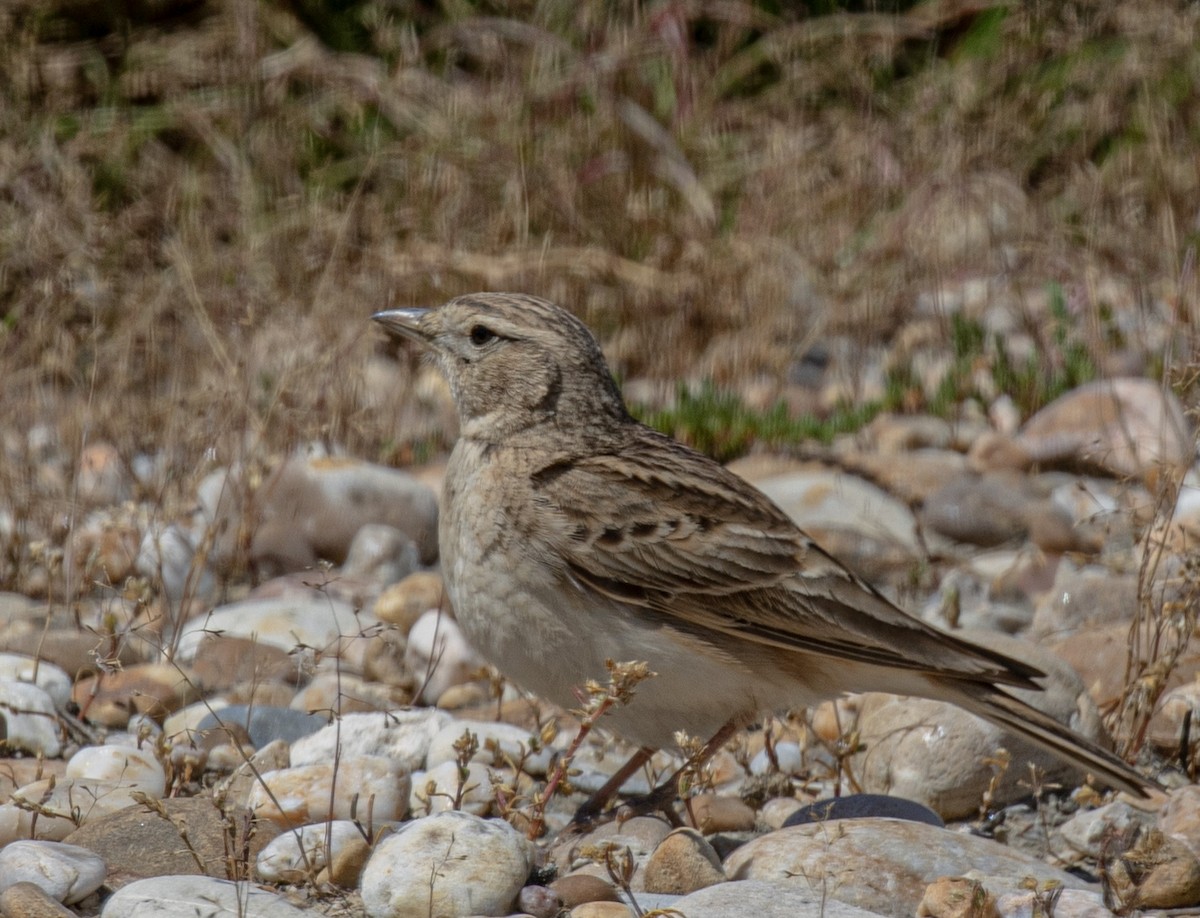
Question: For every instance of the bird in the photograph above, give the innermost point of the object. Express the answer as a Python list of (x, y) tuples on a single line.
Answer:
[(571, 534)]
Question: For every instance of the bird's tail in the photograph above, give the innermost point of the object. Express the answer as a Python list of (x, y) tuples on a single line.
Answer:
[(1011, 713)]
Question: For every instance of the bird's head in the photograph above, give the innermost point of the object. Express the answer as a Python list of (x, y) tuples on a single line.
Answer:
[(513, 361)]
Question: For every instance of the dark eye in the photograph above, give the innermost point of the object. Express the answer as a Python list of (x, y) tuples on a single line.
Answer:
[(481, 335)]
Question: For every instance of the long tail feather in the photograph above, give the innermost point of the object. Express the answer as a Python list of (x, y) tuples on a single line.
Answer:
[(1013, 714)]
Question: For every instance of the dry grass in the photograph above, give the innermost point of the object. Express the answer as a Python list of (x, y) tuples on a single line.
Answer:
[(199, 206)]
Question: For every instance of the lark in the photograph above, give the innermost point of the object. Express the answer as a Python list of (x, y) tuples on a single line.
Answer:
[(571, 534)]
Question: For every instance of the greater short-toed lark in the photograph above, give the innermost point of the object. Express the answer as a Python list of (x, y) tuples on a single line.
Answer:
[(572, 534)]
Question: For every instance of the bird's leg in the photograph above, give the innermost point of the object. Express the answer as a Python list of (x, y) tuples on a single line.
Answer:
[(594, 806), (661, 798)]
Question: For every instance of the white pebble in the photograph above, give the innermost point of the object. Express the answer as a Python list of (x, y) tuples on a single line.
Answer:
[(439, 656), (789, 756), (51, 679), (31, 721), (124, 766), (192, 897), (514, 743), (284, 861), (478, 792), (67, 873), (370, 789), (449, 864)]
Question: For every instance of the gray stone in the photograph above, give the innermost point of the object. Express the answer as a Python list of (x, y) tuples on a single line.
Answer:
[(197, 897), (883, 865), (65, 872), (266, 724)]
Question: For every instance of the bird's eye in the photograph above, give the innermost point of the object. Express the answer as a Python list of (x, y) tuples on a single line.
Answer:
[(481, 335)]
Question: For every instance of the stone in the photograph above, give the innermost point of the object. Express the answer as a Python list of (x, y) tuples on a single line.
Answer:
[(121, 766), (788, 758), (17, 772), (998, 508), (345, 693), (66, 647), (1178, 706), (274, 695), (64, 872), (311, 509), (850, 861), (1157, 873), (576, 888), (381, 554), (298, 856), (939, 755), (168, 555), (443, 788), (776, 812), (1179, 817), (682, 863), (348, 862), (401, 736), (224, 661), (1081, 599), (157, 689), (861, 806), (538, 902), (1061, 903), (448, 864), (370, 789), (1087, 831), (602, 910), (102, 478), (51, 679), (957, 897), (28, 900), (104, 549), (61, 807), (580, 854), (266, 724), (1126, 427), (194, 896), (401, 604), (827, 498), (29, 718), (439, 656), (711, 813), (235, 789), (764, 899), (138, 842), (288, 623), (499, 744)]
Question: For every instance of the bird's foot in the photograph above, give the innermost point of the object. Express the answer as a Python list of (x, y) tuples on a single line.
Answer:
[(661, 800)]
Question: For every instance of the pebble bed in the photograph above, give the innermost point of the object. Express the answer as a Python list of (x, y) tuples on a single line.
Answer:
[(326, 741)]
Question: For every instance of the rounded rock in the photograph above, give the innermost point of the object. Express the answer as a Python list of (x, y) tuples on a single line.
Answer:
[(51, 679), (28, 900), (402, 736), (508, 741), (192, 896), (123, 766), (30, 719), (293, 857), (452, 863), (682, 863), (67, 873), (439, 656), (371, 789)]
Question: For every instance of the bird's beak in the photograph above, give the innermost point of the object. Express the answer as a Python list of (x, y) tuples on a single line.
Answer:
[(406, 322)]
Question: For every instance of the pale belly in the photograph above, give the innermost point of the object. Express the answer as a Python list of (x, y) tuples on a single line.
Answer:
[(550, 635)]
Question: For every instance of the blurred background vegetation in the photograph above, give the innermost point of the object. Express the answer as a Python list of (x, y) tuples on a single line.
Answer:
[(201, 201)]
